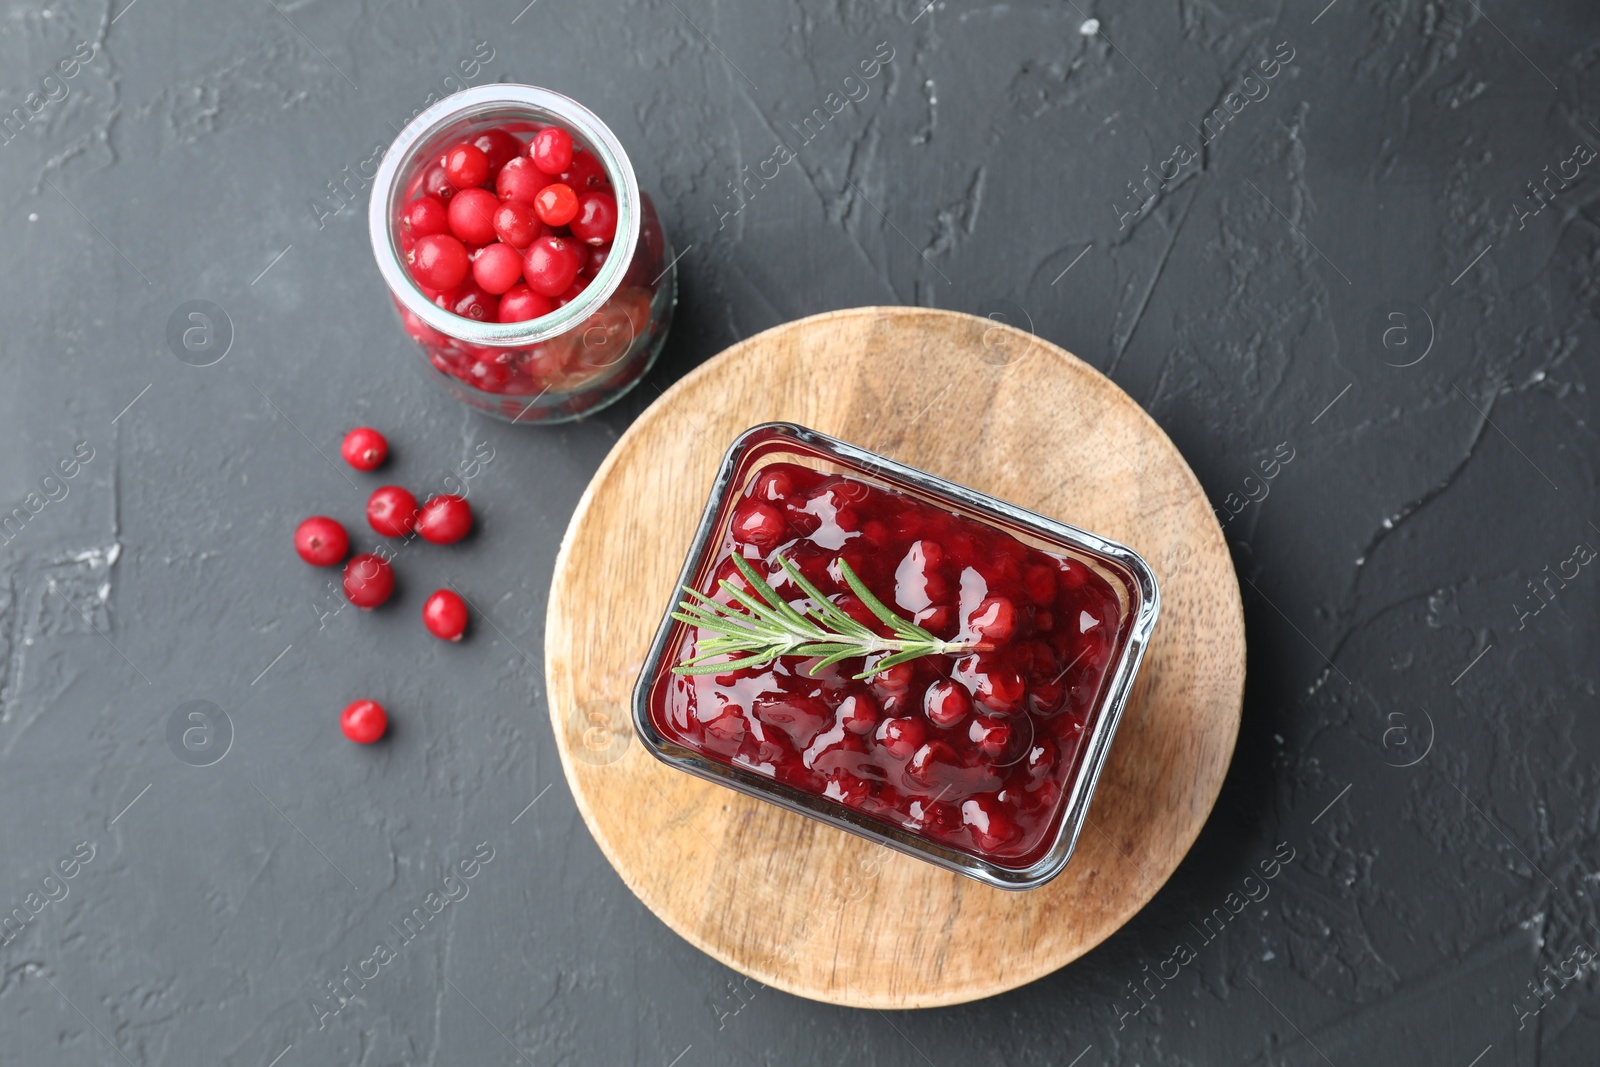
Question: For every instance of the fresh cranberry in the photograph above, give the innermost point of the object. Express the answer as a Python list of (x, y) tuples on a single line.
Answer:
[(551, 265), (472, 216), (519, 181), (521, 303), (497, 268), (471, 301), (426, 215), (597, 258), (946, 702), (556, 204), (445, 519), (437, 184), (445, 615), (368, 580), (499, 147), (901, 737), (757, 523), (364, 721), (572, 293), (585, 174), (321, 541), (516, 224), (466, 165), (438, 261), (594, 221), (994, 620), (551, 150), (364, 448), (392, 511), (490, 375)]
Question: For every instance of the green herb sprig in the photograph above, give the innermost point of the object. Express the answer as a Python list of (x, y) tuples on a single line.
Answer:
[(761, 626)]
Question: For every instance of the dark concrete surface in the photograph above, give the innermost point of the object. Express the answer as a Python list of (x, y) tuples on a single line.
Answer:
[(1350, 272)]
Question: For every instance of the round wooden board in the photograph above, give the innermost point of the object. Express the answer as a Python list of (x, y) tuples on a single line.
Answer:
[(811, 909)]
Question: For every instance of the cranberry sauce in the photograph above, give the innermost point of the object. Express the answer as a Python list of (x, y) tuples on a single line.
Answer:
[(972, 751)]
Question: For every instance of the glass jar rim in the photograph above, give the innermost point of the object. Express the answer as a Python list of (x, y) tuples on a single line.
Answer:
[(479, 102)]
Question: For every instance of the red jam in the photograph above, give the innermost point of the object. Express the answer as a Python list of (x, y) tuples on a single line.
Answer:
[(973, 751)]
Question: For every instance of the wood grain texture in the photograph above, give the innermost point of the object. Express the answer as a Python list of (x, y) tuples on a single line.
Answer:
[(810, 909)]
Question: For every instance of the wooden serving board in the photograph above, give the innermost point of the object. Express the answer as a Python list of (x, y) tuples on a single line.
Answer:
[(811, 909)]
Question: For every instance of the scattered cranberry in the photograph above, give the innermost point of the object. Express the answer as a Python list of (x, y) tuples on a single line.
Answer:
[(551, 265), (364, 721), (595, 220), (439, 261), (556, 204), (516, 224), (551, 150), (472, 216), (368, 580), (392, 511), (497, 268), (321, 541), (445, 615), (426, 215), (364, 448), (521, 303), (445, 518), (466, 165), (946, 702)]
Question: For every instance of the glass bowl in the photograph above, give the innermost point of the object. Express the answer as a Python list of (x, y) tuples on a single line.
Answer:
[(979, 753)]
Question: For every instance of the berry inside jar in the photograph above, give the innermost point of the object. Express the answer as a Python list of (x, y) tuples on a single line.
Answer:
[(509, 223), (931, 671)]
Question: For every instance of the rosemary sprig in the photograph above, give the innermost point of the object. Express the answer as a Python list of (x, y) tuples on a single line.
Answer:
[(761, 626)]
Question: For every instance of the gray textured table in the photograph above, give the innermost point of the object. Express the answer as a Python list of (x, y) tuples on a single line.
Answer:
[(1284, 230)]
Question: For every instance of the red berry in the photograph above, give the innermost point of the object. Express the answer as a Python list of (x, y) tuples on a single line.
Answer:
[(425, 215), (368, 580), (901, 737), (392, 511), (499, 146), (445, 519), (521, 303), (490, 375), (470, 301), (992, 736), (551, 265), (551, 150), (364, 721), (574, 291), (994, 619), (497, 268), (472, 216), (466, 165), (595, 221), (445, 615), (516, 223), (989, 822), (364, 448), (946, 702), (758, 523), (556, 204), (519, 180), (585, 174), (435, 183), (321, 541), (438, 261), (597, 258), (858, 713), (896, 679)]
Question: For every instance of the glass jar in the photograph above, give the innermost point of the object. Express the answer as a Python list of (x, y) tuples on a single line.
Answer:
[(586, 352), (978, 752)]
